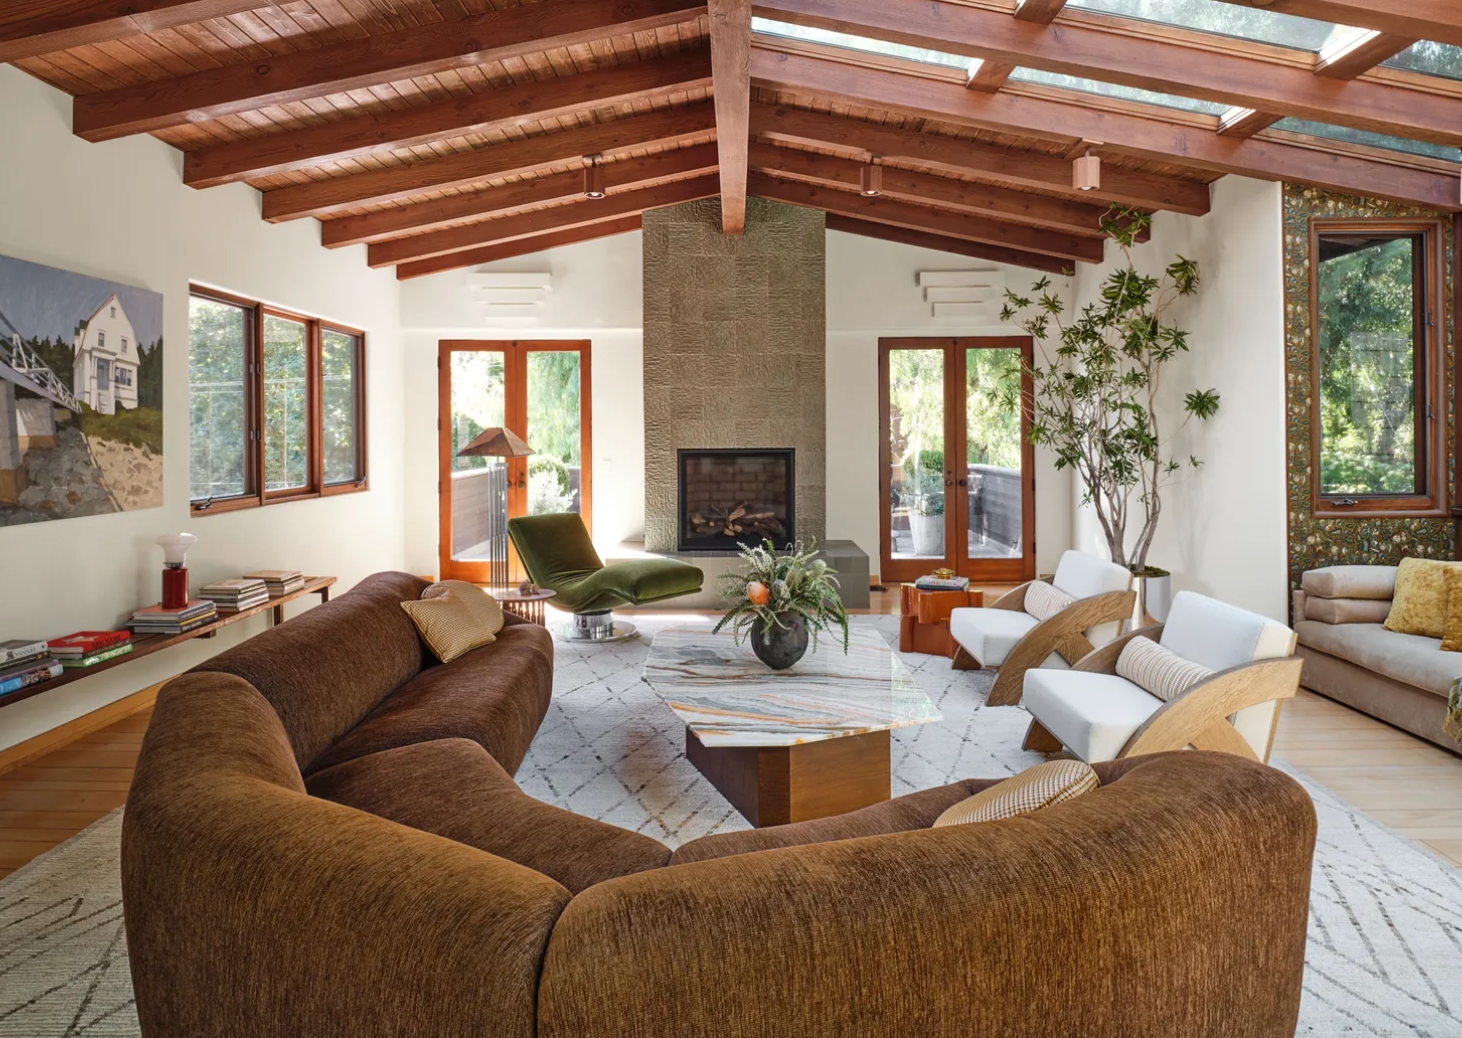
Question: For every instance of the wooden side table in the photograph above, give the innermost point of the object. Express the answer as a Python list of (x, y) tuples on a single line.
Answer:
[(924, 618), (529, 607)]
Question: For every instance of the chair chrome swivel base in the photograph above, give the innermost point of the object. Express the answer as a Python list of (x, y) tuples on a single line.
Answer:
[(596, 627)]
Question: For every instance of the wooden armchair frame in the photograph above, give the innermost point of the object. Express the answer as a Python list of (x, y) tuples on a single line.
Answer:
[(1064, 633), (1200, 716)]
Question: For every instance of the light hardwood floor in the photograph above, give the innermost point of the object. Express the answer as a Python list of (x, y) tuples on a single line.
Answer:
[(1399, 780)]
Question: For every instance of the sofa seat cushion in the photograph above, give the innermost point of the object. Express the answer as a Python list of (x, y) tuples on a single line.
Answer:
[(453, 788), (495, 695), (1412, 659), (1092, 714), (629, 582), (989, 634)]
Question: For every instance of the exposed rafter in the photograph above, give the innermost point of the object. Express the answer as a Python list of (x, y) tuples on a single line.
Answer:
[(1245, 122), (731, 63), (1439, 20), (495, 36), (989, 76), (31, 27), (958, 246), (473, 113), (321, 197), (1150, 64), (1042, 12), (540, 191), (920, 218), (1358, 52), (518, 247), (1039, 116), (1005, 165), (525, 225)]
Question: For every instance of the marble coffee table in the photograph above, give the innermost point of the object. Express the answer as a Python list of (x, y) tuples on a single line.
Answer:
[(786, 746)]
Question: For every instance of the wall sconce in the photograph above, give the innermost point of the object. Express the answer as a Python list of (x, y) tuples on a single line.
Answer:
[(1086, 172), (870, 179), (593, 178)]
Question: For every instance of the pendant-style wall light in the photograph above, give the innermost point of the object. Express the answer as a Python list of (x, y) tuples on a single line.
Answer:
[(870, 179), (593, 178), (1086, 172)]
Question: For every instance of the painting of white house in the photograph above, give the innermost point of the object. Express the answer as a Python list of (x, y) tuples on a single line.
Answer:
[(80, 395)]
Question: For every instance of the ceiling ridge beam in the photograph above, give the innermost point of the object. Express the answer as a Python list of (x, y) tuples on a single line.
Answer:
[(518, 247), (958, 246), (730, 22), (32, 27), (498, 201), (1148, 64), (1141, 136), (1439, 20), (492, 110), (510, 158), (977, 158), (385, 58), (906, 214)]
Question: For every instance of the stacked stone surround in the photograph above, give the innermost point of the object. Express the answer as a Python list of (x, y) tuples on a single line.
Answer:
[(735, 346)]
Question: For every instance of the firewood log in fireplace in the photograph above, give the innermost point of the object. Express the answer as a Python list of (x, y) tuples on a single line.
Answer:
[(735, 522)]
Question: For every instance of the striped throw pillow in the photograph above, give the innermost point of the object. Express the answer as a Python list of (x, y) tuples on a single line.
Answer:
[(1044, 785), (454, 617), (1160, 671), (1044, 601)]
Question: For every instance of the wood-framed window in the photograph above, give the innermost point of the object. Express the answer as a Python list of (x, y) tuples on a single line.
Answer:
[(276, 405), (1378, 386)]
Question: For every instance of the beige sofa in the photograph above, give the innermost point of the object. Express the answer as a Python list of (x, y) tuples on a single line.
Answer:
[(1402, 679)]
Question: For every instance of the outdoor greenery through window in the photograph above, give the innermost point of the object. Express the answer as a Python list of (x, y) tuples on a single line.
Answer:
[(1373, 421), (276, 404)]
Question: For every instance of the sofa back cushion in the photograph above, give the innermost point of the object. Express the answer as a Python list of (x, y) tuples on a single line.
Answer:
[(327, 668), (1347, 610), (1350, 582), (1081, 575)]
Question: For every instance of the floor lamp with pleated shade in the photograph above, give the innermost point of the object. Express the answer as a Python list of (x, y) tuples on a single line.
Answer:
[(497, 443)]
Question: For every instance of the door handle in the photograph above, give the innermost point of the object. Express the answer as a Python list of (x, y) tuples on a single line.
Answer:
[(949, 482), (964, 482)]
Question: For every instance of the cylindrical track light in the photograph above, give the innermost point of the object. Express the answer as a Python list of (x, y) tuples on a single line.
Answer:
[(1086, 172), (593, 179), (870, 180)]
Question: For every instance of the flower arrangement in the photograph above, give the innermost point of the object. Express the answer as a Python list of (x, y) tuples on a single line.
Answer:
[(776, 591)]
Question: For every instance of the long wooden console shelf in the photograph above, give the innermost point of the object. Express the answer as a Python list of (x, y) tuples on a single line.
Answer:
[(147, 644)]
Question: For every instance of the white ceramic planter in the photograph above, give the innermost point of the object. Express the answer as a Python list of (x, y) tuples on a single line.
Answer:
[(928, 531)]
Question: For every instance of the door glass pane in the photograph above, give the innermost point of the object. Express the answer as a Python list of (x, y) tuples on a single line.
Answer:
[(218, 336), (338, 405), (993, 453), (553, 431), (916, 453), (286, 404), (479, 484), (1368, 363)]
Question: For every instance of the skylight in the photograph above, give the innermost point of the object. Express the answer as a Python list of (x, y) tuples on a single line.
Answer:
[(860, 43), (1246, 23), (1431, 58), (1375, 140), (1126, 93)]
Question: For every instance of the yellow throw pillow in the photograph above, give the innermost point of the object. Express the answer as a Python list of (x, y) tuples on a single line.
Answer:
[(1044, 785), (1452, 628), (1420, 604), (453, 617)]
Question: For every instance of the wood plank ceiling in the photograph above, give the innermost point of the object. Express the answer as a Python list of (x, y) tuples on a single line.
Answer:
[(448, 133)]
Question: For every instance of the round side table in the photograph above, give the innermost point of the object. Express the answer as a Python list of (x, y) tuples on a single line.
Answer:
[(529, 607)]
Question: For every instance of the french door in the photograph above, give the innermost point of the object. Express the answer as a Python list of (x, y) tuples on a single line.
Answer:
[(536, 389), (957, 466)]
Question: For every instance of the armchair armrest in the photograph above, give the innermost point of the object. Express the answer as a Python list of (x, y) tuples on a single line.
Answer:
[(1199, 717), (1064, 633)]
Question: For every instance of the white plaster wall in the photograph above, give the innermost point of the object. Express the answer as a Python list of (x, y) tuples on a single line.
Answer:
[(1222, 531), (120, 211)]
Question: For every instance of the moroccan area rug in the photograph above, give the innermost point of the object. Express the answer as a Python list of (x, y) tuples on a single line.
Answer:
[(1385, 950)]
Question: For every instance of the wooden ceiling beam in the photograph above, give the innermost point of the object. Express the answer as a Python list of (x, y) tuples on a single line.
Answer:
[(499, 35), (32, 27), (916, 217), (730, 22), (509, 107), (518, 247), (1041, 12), (1006, 165), (989, 76), (958, 246), (1439, 20), (511, 158), (1055, 214), (1359, 52), (1150, 138), (627, 174), (1245, 122), (1150, 64), (526, 225)]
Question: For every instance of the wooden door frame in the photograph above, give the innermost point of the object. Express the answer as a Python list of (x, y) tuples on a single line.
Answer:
[(956, 504), (515, 387)]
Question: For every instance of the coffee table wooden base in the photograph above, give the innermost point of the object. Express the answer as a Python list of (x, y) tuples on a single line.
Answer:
[(774, 785)]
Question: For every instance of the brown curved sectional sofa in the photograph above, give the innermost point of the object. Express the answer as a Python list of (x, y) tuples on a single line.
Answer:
[(323, 838)]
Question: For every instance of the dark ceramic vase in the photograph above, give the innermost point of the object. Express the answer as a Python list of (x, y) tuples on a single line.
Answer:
[(782, 645)]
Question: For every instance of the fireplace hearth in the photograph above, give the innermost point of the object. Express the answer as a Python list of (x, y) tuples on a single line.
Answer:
[(730, 496)]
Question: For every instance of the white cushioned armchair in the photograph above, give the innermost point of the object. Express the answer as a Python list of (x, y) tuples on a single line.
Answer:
[(1099, 715), (1007, 637)]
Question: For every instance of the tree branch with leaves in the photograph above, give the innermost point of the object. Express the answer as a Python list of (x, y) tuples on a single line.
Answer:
[(1095, 394)]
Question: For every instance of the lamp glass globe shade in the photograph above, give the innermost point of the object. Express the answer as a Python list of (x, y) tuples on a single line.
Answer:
[(175, 547)]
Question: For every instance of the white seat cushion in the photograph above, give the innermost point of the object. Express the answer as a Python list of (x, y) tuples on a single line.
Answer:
[(1081, 575), (989, 634), (1092, 714)]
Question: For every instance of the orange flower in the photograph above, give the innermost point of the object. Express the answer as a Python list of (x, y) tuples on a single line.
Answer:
[(758, 593)]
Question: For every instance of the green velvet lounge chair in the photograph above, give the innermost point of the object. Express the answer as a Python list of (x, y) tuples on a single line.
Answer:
[(559, 556)]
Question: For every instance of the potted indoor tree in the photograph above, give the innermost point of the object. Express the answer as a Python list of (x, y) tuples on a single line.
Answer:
[(782, 600), (1095, 397), (926, 505)]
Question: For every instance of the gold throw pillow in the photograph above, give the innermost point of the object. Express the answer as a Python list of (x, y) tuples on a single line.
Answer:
[(1420, 604), (454, 617), (1044, 785), (1452, 628)]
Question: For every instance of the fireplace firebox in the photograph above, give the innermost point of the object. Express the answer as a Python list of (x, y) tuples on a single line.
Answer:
[(730, 496)]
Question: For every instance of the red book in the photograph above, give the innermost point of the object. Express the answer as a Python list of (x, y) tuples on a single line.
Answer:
[(87, 643)]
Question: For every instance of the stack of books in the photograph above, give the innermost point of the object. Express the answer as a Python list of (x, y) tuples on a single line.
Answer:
[(25, 662), (157, 620), (279, 581), (234, 596), (929, 582), (88, 648)]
